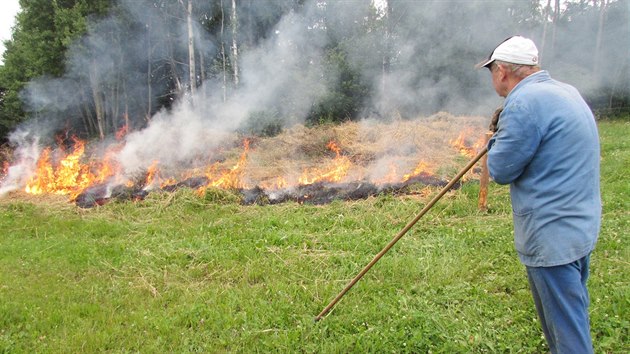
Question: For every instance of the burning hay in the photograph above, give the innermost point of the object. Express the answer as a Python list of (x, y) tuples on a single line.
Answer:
[(316, 165)]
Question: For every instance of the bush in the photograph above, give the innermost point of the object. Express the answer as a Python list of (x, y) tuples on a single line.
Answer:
[(262, 123)]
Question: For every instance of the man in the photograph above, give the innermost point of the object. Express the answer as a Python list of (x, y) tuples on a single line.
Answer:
[(547, 148)]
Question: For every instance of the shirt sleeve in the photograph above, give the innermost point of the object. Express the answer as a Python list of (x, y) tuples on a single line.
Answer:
[(513, 145)]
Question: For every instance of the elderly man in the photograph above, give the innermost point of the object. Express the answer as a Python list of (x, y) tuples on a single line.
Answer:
[(546, 147)]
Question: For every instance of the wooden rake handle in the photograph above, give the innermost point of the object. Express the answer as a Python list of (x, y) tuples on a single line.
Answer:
[(402, 232)]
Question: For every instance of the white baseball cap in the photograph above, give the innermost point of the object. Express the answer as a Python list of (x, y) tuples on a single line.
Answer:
[(515, 50)]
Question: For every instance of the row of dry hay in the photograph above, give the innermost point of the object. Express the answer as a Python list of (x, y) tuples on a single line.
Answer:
[(375, 149)]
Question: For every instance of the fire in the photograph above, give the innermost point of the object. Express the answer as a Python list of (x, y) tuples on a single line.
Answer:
[(109, 167), (65, 171), (277, 183), (69, 175), (43, 180), (463, 144), (337, 170), (233, 177), (422, 167), (153, 176)]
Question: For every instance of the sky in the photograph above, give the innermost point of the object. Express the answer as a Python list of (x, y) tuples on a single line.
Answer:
[(8, 10)]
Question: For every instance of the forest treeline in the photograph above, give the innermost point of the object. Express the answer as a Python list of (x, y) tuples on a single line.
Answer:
[(94, 67)]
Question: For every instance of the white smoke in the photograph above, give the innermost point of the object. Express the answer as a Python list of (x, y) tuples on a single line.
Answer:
[(277, 70), (27, 154)]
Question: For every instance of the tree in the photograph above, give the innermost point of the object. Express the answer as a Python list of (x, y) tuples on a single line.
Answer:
[(34, 41), (234, 25), (600, 33), (191, 48), (545, 21), (43, 33), (223, 57)]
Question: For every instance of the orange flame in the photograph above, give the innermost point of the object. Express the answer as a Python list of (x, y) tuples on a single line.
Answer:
[(462, 143), (337, 170), (109, 167), (43, 180), (153, 176), (422, 167), (277, 183), (69, 175), (231, 178)]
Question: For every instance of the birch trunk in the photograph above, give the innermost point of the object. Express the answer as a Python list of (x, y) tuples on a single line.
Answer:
[(544, 33), (191, 49), (386, 51), (202, 66), (173, 65), (98, 102), (147, 116), (234, 23), (556, 17), (224, 86)]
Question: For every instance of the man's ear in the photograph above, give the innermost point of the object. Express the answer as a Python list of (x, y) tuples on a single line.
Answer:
[(502, 72)]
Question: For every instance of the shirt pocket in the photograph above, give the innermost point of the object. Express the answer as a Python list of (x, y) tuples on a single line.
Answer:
[(525, 231)]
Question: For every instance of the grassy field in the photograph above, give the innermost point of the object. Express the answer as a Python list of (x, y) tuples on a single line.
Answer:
[(182, 273)]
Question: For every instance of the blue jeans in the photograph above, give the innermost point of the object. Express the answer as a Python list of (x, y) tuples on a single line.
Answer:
[(562, 301)]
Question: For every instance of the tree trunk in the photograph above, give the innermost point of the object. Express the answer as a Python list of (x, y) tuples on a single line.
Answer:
[(556, 18), (89, 112), (191, 50), (544, 33), (386, 48), (116, 103), (147, 115), (598, 42), (98, 101), (234, 23), (115, 96), (178, 83), (86, 113), (224, 85), (173, 65), (202, 65), (126, 114)]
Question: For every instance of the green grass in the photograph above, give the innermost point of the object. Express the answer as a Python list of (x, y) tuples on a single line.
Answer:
[(182, 273)]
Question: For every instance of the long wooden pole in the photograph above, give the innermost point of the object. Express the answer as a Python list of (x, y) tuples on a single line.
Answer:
[(402, 232)]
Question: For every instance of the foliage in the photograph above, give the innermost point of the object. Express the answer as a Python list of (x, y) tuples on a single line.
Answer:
[(184, 273), (262, 123), (345, 92), (44, 30)]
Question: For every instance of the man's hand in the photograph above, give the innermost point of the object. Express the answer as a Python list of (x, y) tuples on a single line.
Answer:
[(494, 123)]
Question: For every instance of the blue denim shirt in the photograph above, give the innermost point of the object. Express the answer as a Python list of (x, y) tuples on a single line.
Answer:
[(547, 148)]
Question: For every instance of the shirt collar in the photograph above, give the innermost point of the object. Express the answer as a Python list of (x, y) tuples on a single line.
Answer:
[(538, 76)]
